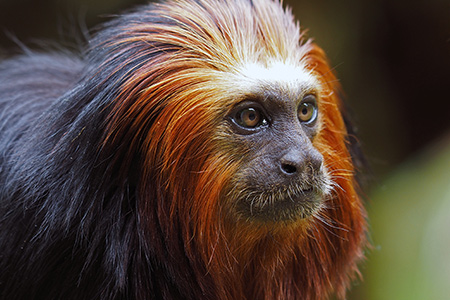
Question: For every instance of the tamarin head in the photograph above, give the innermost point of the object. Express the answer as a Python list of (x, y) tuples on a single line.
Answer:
[(234, 135), (281, 179)]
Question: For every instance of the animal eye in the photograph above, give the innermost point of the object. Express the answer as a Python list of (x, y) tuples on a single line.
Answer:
[(307, 110), (250, 117)]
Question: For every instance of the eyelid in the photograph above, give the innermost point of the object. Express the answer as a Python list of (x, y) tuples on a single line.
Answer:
[(309, 97)]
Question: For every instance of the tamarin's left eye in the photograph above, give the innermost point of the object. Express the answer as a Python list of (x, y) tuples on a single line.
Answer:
[(307, 110)]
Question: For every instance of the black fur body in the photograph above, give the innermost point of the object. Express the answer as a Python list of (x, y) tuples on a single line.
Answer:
[(69, 224)]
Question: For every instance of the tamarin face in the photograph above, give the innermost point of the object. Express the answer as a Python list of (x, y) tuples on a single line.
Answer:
[(282, 176)]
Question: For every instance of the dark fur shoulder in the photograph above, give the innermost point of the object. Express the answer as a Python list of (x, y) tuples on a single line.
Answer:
[(52, 188), (64, 211), (29, 84)]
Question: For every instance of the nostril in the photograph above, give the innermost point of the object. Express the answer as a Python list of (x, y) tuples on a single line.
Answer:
[(288, 168), (298, 161)]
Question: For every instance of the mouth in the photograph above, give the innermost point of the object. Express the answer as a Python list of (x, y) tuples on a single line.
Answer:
[(280, 205)]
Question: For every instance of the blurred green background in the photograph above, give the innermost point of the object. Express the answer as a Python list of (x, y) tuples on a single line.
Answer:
[(393, 60)]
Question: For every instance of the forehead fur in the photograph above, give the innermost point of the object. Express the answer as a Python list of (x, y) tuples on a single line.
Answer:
[(257, 42), (230, 34), (295, 80)]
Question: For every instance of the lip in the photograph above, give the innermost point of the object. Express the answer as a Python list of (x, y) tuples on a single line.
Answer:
[(266, 207)]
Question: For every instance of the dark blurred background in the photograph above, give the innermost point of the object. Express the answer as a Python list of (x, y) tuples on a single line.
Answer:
[(393, 60)]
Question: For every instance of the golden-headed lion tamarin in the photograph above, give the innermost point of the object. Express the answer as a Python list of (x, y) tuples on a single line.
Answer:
[(196, 150)]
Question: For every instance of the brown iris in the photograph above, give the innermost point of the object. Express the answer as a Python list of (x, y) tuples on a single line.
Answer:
[(307, 111), (249, 117)]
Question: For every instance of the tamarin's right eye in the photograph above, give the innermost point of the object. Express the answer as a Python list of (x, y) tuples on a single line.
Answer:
[(250, 117), (247, 117)]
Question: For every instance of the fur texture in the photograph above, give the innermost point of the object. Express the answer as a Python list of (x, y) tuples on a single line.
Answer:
[(116, 177)]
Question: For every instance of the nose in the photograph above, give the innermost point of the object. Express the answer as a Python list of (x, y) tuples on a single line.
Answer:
[(297, 161)]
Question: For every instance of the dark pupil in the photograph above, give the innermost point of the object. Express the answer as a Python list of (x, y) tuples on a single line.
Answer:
[(249, 117), (305, 111)]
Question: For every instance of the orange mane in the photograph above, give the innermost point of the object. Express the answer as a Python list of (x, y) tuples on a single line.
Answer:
[(170, 111)]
